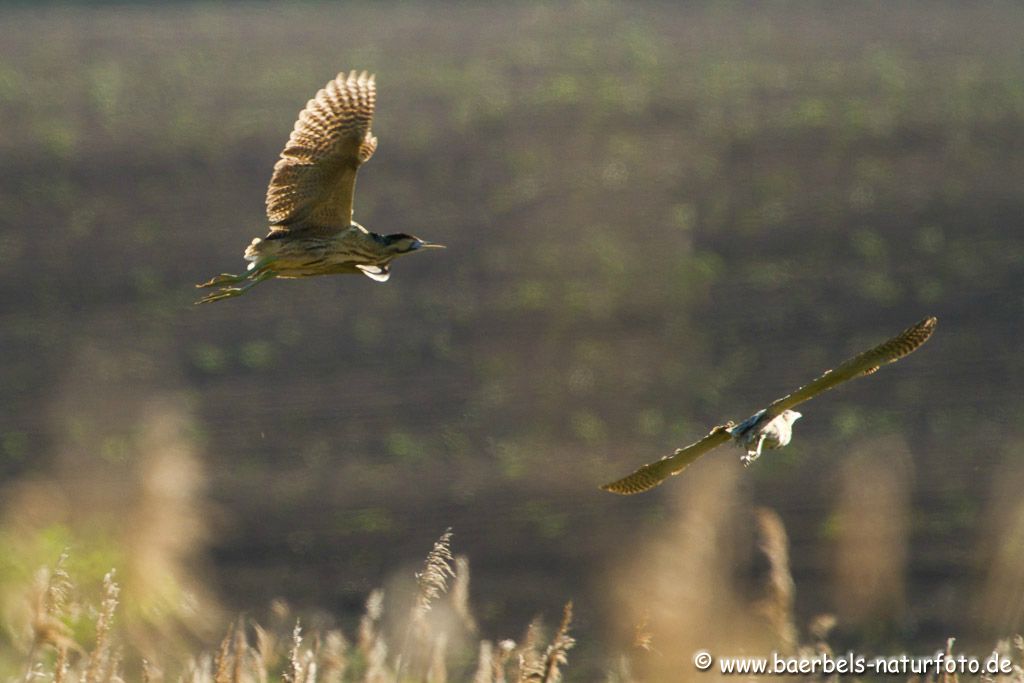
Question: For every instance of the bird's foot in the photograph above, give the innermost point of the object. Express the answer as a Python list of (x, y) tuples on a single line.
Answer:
[(222, 293), (753, 453), (224, 279), (229, 292)]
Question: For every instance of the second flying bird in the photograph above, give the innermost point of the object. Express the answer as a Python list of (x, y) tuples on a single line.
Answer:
[(773, 426)]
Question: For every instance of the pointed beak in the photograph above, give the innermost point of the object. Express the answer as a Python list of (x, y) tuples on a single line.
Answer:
[(429, 245), (797, 416)]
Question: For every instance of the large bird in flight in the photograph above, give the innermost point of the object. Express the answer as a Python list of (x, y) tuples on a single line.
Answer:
[(773, 426), (309, 201)]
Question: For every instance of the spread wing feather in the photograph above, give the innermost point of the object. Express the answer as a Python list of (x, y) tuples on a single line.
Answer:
[(649, 476), (314, 181), (889, 351)]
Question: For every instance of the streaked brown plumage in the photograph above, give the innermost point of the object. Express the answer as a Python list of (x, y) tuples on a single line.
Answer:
[(309, 200), (773, 426)]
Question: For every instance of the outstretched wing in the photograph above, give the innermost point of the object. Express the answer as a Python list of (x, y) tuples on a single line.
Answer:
[(314, 180), (649, 476), (889, 351)]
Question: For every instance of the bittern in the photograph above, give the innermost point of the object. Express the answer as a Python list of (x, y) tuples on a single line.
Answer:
[(309, 200), (773, 426)]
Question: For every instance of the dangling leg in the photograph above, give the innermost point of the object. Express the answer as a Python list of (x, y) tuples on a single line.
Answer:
[(754, 454), (225, 279), (228, 292), (252, 271), (258, 274)]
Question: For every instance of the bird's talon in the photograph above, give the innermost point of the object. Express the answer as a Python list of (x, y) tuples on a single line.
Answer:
[(222, 279), (226, 293)]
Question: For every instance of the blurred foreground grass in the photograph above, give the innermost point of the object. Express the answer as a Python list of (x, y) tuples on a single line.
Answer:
[(57, 625), (64, 639)]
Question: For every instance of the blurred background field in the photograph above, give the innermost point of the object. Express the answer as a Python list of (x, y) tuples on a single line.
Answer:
[(659, 217)]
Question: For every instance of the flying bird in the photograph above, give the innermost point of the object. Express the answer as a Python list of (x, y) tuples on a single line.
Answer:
[(773, 426), (309, 200)]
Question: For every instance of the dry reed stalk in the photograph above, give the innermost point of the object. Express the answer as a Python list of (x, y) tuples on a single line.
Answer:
[(437, 672), (242, 652), (265, 654), (376, 669), (309, 668), (557, 652), (51, 591), (222, 662), (99, 659), (368, 634), (60, 667), (505, 650), (873, 520), (150, 673), (333, 657), (433, 580), (1000, 607), (819, 629), (460, 594), (294, 674), (643, 637), (198, 670), (484, 663), (113, 668), (622, 673), (58, 587), (779, 592), (948, 677), (530, 664)]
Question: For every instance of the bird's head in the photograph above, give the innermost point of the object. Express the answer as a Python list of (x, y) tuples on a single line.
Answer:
[(400, 243), (791, 416)]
